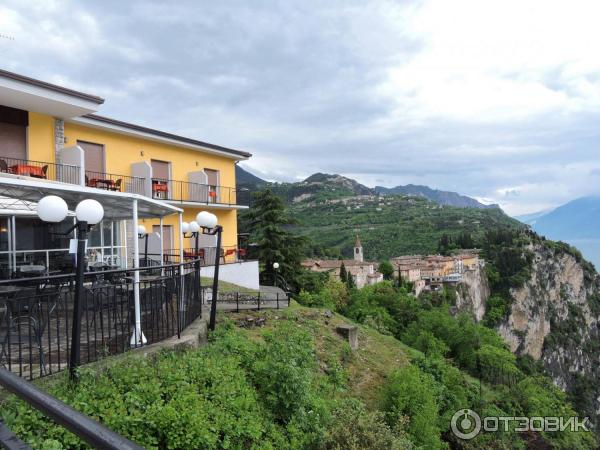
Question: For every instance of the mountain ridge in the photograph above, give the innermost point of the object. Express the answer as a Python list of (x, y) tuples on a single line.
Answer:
[(303, 190)]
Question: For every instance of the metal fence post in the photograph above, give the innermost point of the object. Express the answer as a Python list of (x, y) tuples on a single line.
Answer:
[(277, 300)]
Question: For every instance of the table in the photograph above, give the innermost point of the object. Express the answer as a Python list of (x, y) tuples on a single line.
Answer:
[(28, 170), (101, 183), (32, 268)]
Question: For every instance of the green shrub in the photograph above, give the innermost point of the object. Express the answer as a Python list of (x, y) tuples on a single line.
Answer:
[(354, 428), (410, 395)]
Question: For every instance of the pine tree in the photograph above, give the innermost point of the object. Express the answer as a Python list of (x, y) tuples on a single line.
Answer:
[(343, 274), (350, 281), (266, 222)]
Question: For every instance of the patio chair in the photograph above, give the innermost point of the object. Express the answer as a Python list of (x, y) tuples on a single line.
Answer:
[(24, 326), (117, 185), (45, 171)]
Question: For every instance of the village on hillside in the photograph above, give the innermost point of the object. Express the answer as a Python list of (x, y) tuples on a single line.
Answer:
[(424, 272)]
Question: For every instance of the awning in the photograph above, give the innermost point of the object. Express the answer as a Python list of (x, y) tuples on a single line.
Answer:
[(21, 195)]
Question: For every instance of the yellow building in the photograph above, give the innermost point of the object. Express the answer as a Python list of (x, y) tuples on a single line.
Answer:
[(53, 133)]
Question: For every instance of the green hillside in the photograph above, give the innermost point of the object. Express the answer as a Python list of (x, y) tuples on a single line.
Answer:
[(391, 225)]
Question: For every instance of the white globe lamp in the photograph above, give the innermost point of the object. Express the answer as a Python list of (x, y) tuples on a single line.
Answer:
[(141, 230), (194, 227), (275, 265), (52, 209), (206, 219), (90, 211), (185, 227)]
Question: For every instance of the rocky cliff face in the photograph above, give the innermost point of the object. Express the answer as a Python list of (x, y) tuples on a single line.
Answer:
[(472, 292), (554, 319)]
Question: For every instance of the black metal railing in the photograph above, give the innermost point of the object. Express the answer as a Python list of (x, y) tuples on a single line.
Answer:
[(92, 432), (115, 183), (184, 191), (247, 300), (42, 170), (206, 255), (36, 315)]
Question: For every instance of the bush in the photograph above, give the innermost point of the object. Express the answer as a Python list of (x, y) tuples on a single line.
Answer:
[(354, 428), (410, 395)]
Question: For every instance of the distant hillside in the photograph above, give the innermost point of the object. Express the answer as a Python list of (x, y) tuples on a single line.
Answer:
[(575, 222), (245, 178), (391, 225), (344, 182), (435, 195), (321, 186)]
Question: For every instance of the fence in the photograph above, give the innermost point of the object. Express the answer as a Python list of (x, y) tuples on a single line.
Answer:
[(36, 315), (246, 301), (185, 191), (43, 170), (116, 183)]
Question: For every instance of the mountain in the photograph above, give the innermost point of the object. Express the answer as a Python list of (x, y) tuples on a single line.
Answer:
[(531, 218), (245, 178), (334, 185), (435, 195), (339, 180), (574, 222), (390, 226), (576, 219)]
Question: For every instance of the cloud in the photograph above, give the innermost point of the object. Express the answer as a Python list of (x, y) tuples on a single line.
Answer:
[(497, 101)]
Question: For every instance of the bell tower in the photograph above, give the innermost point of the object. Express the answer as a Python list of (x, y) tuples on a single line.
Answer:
[(358, 250)]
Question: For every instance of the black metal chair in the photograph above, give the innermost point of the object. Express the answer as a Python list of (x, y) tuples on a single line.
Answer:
[(3, 166), (27, 315)]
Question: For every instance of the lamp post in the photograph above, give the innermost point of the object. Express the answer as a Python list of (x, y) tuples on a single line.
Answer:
[(88, 213), (192, 230), (208, 223), (141, 232), (276, 268)]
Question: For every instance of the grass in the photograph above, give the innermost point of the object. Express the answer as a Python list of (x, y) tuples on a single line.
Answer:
[(225, 286), (367, 367)]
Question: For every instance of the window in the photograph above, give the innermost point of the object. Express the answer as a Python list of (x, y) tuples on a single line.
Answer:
[(13, 132), (93, 157)]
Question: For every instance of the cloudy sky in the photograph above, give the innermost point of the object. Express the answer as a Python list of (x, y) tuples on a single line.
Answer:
[(497, 100)]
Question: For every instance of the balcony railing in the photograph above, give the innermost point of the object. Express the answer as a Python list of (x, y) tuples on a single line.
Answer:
[(183, 191), (41, 170), (206, 255), (115, 183)]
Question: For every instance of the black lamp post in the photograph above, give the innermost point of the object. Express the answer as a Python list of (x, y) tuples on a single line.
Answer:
[(141, 232), (208, 223), (275, 268), (192, 230), (88, 213)]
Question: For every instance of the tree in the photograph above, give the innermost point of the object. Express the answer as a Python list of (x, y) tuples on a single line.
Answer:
[(387, 270), (343, 274), (267, 223), (444, 244), (350, 281)]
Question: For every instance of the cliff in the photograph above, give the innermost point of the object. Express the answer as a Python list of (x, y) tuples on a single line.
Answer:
[(553, 318), (472, 292)]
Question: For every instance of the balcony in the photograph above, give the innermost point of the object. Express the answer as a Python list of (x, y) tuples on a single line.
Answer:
[(183, 191), (115, 183), (64, 173)]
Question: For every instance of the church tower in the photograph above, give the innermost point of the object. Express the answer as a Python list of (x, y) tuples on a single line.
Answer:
[(358, 250)]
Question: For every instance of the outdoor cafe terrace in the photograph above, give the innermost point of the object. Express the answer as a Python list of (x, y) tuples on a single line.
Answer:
[(121, 308)]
